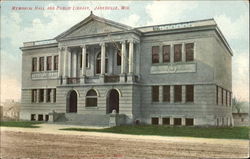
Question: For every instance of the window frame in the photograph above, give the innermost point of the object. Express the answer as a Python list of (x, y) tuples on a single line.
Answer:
[(48, 63), (166, 93), (56, 62), (165, 54), (154, 98), (41, 64), (177, 100), (155, 54), (176, 58), (34, 64), (188, 95), (186, 52), (91, 97)]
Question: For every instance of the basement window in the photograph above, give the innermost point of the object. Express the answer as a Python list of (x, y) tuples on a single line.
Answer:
[(33, 117), (40, 117), (155, 121), (177, 121), (165, 121), (189, 121)]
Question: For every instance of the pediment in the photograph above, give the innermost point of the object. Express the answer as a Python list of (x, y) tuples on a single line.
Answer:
[(93, 27)]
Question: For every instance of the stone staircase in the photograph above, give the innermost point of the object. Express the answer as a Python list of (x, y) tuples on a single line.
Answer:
[(84, 119)]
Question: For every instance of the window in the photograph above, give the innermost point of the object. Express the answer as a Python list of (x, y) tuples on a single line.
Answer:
[(155, 54), (189, 52), (217, 95), (34, 64), (177, 53), (177, 121), (33, 117), (166, 121), (98, 64), (40, 117), (41, 95), (155, 93), (222, 100), (49, 63), (34, 95), (189, 121), (177, 93), (155, 121), (166, 53), (118, 58), (189, 93), (91, 98), (166, 93), (46, 117), (56, 62), (41, 64), (48, 95)]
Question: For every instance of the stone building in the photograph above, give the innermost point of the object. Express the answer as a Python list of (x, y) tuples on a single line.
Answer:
[(173, 74)]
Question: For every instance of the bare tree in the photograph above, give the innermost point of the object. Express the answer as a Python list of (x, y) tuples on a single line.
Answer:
[(237, 104)]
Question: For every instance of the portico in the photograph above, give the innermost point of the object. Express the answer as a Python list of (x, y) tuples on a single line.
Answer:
[(77, 68)]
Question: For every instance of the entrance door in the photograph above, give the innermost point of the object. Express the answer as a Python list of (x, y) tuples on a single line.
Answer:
[(113, 101), (72, 104)]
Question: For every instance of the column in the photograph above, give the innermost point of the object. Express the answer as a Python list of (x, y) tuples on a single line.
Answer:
[(65, 70), (37, 95), (74, 63), (123, 62), (160, 94), (60, 61), (52, 63), (69, 62), (171, 120), (102, 58), (123, 58), (37, 62), (171, 53), (183, 91), (83, 64), (45, 63), (183, 121), (171, 94), (183, 51), (52, 96), (45, 95), (83, 60), (131, 57)]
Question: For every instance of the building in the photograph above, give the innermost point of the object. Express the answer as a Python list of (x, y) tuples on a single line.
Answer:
[(173, 74)]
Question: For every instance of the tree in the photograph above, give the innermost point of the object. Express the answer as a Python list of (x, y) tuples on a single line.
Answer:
[(237, 104)]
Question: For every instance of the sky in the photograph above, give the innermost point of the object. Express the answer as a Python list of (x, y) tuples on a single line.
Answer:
[(18, 26)]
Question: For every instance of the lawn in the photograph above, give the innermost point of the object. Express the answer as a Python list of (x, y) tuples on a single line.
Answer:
[(21, 124), (212, 132)]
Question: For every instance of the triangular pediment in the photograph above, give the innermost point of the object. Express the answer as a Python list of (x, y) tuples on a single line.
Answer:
[(93, 25)]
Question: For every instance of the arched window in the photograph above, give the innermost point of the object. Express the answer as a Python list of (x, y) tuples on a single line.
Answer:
[(98, 63), (91, 98)]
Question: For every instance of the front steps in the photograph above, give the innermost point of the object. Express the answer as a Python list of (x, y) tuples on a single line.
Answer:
[(99, 120)]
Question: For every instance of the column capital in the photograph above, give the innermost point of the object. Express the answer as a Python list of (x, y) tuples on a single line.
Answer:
[(83, 46), (123, 42), (131, 41), (102, 44)]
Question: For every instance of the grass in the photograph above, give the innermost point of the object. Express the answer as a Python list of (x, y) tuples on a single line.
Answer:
[(21, 124), (210, 132)]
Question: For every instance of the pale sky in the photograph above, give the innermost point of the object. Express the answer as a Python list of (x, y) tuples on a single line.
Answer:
[(18, 26)]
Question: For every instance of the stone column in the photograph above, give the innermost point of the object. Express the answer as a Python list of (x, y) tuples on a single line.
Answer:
[(171, 120), (37, 64), (65, 70), (103, 52), (123, 61), (37, 95), (183, 52), (74, 63), (83, 60), (52, 96), (60, 52), (171, 94), (83, 63), (131, 57), (45, 63), (52, 63), (171, 53), (123, 58), (160, 94), (45, 95), (183, 92), (183, 121), (69, 62)]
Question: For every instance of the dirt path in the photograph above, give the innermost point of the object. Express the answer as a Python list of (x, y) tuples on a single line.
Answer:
[(49, 142)]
